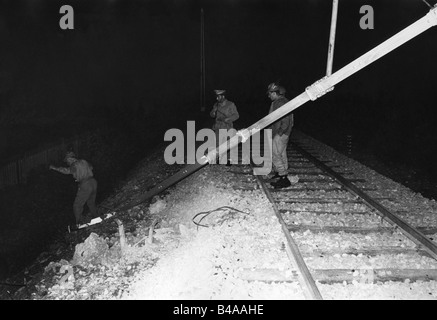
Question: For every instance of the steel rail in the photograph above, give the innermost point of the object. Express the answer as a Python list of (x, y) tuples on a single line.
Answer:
[(180, 175), (305, 278), (409, 231)]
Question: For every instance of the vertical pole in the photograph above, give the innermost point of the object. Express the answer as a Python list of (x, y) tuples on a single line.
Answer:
[(202, 62), (332, 37), (19, 171)]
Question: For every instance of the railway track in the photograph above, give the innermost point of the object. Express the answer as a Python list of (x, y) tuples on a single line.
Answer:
[(335, 217), (330, 244)]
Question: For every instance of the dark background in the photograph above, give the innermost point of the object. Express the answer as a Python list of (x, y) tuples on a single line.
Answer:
[(132, 59), (132, 68)]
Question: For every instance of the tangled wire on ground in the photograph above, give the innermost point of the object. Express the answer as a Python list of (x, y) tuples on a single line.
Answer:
[(229, 210)]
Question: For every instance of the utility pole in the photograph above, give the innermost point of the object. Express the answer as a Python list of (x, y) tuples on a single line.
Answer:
[(202, 62), (332, 37)]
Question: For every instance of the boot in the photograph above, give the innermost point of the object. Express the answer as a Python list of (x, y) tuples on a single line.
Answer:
[(283, 182), (272, 177)]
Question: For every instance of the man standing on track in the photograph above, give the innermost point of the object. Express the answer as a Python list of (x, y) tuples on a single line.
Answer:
[(281, 130), (225, 113)]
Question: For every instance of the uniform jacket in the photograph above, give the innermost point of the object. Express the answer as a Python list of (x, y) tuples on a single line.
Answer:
[(283, 125), (224, 110), (81, 170)]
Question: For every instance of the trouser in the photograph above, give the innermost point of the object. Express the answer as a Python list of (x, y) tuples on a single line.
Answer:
[(222, 138), (266, 159), (86, 193), (279, 154)]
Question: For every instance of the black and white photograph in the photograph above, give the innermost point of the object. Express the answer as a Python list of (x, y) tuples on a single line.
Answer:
[(216, 156)]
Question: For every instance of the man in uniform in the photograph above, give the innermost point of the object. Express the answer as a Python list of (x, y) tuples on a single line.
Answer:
[(82, 172), (225, 113), (281, 130)]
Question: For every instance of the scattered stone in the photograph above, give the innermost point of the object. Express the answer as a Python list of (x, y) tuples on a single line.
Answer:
[(184, 231), (293, 178), (157, 206), (91, 251)]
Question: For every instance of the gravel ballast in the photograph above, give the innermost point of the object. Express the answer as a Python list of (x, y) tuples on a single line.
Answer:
[(212, 237)]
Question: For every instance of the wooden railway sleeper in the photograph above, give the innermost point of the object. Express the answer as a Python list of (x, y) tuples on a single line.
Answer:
[(409, 231)]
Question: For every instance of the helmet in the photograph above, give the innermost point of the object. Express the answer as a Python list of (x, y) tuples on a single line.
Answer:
[(69, 155), (219, 92), (273, 87)]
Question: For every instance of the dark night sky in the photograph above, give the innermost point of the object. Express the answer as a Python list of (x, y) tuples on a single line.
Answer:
[(126, 54)]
